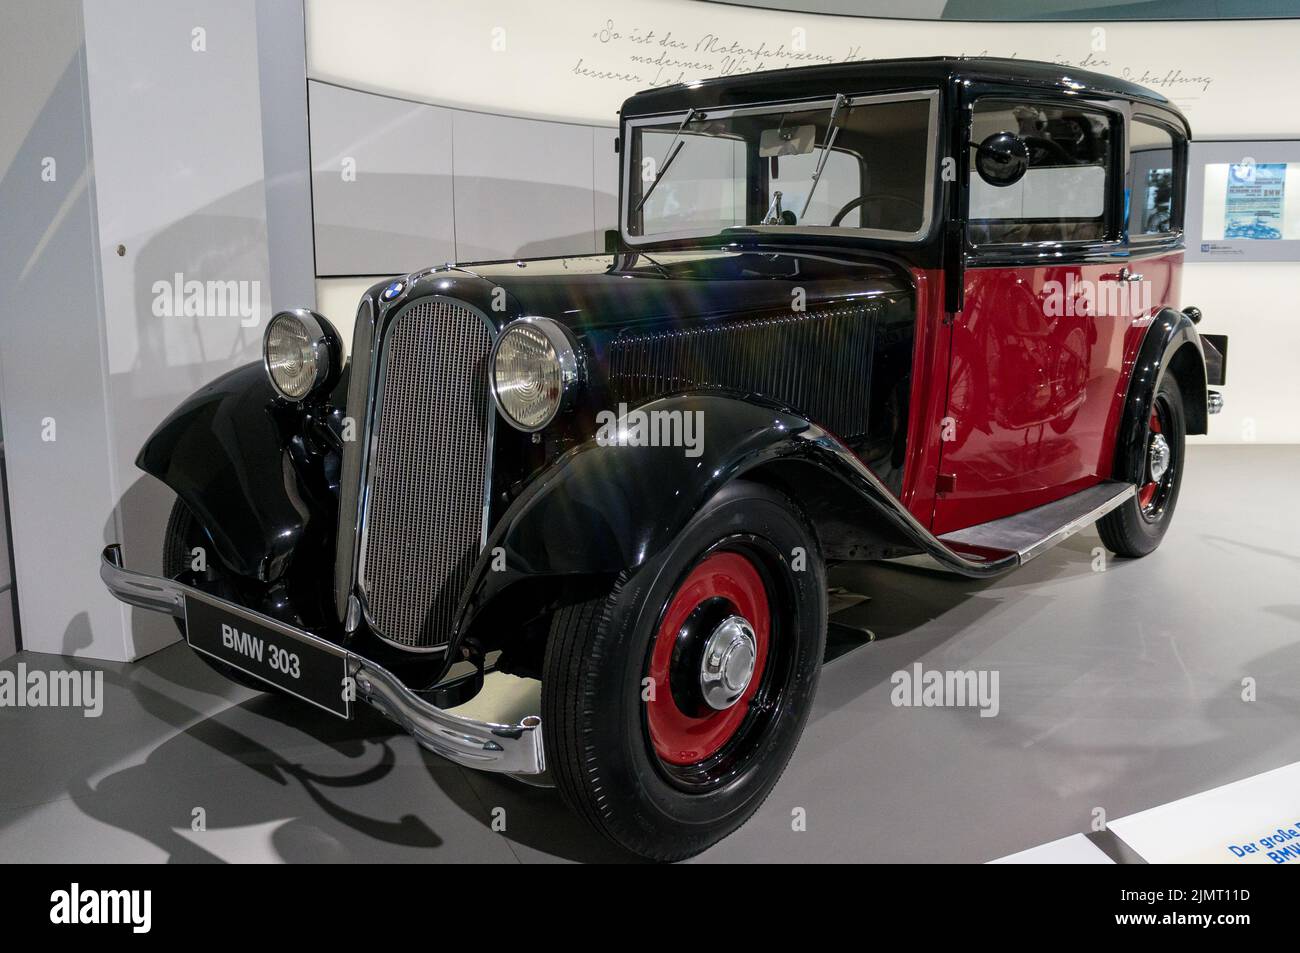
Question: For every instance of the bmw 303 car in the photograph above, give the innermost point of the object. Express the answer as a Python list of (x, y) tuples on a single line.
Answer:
[(921, 308)]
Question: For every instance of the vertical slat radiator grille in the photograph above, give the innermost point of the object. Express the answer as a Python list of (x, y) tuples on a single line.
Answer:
[(818, 364), (424, 511)]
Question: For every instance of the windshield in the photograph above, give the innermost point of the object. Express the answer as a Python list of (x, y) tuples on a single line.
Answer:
[(866, 165)]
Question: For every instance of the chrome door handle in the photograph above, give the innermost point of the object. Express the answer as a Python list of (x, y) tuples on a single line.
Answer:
[(1123, 275)]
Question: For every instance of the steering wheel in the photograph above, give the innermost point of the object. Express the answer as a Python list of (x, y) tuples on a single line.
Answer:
[(875, 197), (1048, 149)]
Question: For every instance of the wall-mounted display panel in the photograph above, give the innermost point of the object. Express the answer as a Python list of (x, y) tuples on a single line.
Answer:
[(1244, 201)]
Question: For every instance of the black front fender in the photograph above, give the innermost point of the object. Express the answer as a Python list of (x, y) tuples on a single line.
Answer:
[(607, 506), (604, 509), (225, 454)]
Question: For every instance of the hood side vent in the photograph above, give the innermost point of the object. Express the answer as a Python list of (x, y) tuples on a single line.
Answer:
[(817, 363)]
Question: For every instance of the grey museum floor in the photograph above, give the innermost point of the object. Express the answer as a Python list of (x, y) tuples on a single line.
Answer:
[(1119, 690)]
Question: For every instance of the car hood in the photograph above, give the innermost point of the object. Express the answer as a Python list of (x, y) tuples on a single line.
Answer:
[(630, 289)]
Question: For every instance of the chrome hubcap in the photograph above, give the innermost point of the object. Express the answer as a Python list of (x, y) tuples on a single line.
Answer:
[(1158, 457), (728, 662)]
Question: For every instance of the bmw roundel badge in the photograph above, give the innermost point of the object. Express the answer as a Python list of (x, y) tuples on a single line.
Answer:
[(393, 290)]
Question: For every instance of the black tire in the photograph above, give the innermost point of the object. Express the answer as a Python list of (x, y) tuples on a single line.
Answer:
[(183, 534), (597, 728), (1137, 527)]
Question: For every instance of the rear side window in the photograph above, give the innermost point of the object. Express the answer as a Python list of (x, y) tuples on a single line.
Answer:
[(1062, 196), (1150, 181)]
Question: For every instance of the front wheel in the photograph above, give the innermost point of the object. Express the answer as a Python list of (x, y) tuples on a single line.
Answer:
[(671, 705), (1137, 527), (184, 539)]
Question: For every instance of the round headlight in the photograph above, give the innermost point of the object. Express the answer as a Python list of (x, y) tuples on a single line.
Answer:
[(534, 372), (301, 352)]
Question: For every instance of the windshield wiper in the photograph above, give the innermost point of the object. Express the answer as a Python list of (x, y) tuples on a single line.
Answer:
[(832, 131), (674, 147)]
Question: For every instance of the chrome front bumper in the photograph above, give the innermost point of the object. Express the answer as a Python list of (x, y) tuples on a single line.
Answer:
[(509, 749)]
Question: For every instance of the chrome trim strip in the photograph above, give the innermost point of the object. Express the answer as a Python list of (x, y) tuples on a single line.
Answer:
[(1078, 523), (487, 746), (138, 589), (360, 387), (931, 162), (1032, 532), (511, 749)]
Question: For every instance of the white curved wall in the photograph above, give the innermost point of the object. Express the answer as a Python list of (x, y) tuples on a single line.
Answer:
[(577, 60), (519, 88)]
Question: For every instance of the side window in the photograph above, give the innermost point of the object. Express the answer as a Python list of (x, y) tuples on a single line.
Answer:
[(1150, 181), (1062, 195)]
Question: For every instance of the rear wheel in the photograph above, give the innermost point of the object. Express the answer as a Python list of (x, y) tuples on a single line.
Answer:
[(1137, 527), (671, 705), (183, 537)]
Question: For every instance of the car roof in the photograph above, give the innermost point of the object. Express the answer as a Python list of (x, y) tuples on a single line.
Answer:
[(866, 75)]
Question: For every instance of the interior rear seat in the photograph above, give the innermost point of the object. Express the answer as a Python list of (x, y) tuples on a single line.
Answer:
[(995, 231)]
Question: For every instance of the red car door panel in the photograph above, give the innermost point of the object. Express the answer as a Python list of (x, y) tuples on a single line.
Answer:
[(1039, 362)]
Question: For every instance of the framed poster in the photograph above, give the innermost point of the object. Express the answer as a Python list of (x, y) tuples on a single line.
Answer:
[(1253, 208), (1239, 206)]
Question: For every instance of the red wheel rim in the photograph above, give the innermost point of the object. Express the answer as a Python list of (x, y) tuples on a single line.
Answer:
[(1147, 493), (683, 738)]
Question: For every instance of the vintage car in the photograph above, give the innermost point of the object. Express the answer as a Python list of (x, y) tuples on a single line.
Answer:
[(901, 309)]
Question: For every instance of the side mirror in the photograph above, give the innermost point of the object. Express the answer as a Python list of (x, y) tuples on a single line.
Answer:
[(1002, 159)]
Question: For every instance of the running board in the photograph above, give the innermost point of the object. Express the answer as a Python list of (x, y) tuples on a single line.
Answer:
[(1035, 531)]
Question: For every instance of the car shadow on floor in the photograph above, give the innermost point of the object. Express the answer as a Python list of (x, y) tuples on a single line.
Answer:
[(235, 767), (277, 780), (285, 782)]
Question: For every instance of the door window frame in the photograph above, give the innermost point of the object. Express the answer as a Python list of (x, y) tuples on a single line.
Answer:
[(1071, 250), (1178, 201)]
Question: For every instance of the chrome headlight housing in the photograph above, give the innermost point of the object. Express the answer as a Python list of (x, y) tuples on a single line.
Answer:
[(534, 371), (302, 354)]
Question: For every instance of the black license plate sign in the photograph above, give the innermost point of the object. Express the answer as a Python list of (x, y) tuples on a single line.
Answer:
[(296, 662)]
